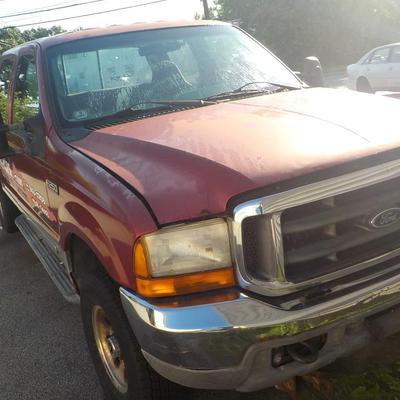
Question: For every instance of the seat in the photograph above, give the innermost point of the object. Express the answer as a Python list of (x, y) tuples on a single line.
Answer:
[(168, 80)]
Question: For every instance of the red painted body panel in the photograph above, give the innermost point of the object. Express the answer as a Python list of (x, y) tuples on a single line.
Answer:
[(91, 204), (190, 163), (97, 208)]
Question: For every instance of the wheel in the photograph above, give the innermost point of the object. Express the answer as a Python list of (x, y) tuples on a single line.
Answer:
[(123, 372), (364, 86), (8, 213)]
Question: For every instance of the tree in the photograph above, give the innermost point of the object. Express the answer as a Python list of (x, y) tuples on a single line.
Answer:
[(11, 37), (337, 31)]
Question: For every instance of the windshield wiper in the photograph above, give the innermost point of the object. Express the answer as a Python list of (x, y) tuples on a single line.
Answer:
[(176, 103), (164, 105), (242, 90), (278, 85)]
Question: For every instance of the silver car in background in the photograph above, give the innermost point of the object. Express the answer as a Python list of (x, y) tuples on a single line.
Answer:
[(378, 70)]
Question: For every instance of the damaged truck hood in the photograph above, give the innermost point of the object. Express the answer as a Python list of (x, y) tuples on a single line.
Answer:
[(188, 164)]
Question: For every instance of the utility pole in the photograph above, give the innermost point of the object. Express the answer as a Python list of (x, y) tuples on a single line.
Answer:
[(206, 9)]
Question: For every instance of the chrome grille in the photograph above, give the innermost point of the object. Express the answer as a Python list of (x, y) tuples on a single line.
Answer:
[(335, 233), (317, 233)]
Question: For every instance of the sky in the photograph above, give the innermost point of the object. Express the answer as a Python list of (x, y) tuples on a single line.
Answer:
[(163, 10)]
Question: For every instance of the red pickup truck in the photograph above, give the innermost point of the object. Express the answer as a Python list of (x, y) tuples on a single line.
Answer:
[(222, 225)]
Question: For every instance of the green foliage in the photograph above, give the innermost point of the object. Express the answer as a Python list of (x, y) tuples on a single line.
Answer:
[(3, 106), (377, 383), (11, 37), (337, 31), (24, 107)]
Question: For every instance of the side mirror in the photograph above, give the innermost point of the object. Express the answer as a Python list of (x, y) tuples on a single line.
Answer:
[(313, 73), (25, 138), (19, 141), (13, 142)]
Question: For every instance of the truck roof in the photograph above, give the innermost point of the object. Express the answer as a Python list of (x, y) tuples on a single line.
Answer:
[(110, 30)]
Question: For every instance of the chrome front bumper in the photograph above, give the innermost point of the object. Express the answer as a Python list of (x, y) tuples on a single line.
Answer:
[(229, 345)]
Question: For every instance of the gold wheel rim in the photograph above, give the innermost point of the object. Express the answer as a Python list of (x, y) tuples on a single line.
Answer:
[(109, 349)]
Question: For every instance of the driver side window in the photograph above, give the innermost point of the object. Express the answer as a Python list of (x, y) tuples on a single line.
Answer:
[(26, 98)]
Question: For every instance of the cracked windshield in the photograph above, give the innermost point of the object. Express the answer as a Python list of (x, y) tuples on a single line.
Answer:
[(200, 199), (135, 70)]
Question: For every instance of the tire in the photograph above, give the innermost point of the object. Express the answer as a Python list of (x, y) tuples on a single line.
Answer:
[(98, 292), (364, 86), (8, 213)]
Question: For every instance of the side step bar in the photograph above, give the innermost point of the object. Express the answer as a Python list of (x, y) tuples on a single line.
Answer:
[(52, 264)]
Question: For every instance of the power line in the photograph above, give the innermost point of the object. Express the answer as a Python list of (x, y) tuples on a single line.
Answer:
[(49, 9), (44, 7), (88, 15)]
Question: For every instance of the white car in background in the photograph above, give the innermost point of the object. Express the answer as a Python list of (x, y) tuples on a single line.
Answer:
[(379, 70)]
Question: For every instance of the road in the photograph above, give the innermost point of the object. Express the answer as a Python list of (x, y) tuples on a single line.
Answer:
[(336, 79), (43, 353)]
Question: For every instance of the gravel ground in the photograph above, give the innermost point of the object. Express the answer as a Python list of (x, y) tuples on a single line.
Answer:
[(42, 348)]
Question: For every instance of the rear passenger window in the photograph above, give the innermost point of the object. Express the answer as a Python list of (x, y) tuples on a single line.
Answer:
[(123, 67), (395, 58), (5, 86), (103, 69)]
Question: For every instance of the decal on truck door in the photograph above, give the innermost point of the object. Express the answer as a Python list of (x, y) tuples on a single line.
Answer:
[(35, 199)]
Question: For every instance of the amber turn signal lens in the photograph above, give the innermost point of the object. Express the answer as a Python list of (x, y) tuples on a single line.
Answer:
[(140, 261), (185, 284)]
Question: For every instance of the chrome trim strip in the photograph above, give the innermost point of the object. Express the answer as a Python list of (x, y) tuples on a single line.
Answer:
[(276, 234), (277, 203)]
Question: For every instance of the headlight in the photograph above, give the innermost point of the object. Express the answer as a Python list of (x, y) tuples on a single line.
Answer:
[(184, 259)]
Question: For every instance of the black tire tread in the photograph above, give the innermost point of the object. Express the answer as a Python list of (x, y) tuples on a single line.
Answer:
[(97, 285), (10, 213), (364, 86)]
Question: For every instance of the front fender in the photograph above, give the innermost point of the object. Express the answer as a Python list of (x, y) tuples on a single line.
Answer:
[(79, 222), (111, 237), (99, 209)]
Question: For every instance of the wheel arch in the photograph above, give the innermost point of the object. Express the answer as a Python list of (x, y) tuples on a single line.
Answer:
[(363, 80), (77, 237), (83, 257)]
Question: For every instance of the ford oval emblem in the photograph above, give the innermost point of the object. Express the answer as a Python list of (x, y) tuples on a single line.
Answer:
[(386, 218)]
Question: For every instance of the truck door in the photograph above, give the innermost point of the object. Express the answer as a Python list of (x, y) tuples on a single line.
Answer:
[(26, 174)]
